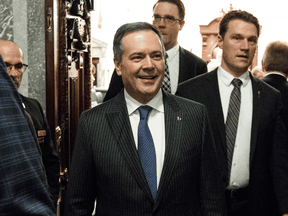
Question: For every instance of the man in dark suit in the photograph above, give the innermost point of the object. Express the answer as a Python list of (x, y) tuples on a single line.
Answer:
[(170, 169), (275, 68), (24, 188), (246, 123), (168, 18), (13, 58)]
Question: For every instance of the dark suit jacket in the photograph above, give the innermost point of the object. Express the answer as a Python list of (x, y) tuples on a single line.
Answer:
[(105, 164), (268, 150), (23, 184), (49, 155), (190, 66), (280, 83)]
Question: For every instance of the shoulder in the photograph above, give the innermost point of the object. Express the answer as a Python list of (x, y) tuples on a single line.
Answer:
[(189, 55), (113, 105), (29, 101), (266, 86), (198, 80), (267, 91), (32, 106), (182, 103)]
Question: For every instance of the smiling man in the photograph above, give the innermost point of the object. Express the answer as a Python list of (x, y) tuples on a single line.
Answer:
[(169, 19), (144, 152), (246, 122)]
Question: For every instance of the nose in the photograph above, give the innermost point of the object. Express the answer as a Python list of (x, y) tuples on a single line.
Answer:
[(162, 22), (148, 63), (245, 44), (13, 72)]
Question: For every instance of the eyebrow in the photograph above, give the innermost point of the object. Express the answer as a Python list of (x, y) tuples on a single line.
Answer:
[(141, 53)]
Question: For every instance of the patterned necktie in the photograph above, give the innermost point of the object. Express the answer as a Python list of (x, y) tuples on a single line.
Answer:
[(166, 84), (232, 121), (146, 150)]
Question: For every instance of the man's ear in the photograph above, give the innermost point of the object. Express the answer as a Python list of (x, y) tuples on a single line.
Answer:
[(182, 23), (220, 42), (117, 67)]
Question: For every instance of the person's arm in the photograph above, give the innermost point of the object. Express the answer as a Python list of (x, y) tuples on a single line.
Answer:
[(24, 188), (81, 189), (279, 165), (50, 160), (212, 192)]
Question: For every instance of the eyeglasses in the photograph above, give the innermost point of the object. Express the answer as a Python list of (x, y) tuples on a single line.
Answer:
[(167, 19), (19, 67)]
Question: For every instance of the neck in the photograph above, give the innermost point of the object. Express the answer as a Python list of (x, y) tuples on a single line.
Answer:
[(169, 46)]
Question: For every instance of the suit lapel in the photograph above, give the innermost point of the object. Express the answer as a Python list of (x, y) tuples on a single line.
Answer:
[(121, 127), (256, 88), (173, 128), (214, 107), (181, 65)]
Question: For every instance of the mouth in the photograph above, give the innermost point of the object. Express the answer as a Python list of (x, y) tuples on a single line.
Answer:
[(243, 56), (148, 77), (162, 33)]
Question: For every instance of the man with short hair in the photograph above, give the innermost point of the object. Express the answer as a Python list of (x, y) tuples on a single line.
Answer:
[(246, 122), (13, 58), (275, 68), (144, 152), (168, 18)]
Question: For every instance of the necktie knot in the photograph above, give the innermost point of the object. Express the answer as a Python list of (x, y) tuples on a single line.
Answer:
[(236, 82), (144, 111)]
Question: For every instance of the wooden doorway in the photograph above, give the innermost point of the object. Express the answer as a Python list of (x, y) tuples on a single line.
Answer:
[(68, 63)]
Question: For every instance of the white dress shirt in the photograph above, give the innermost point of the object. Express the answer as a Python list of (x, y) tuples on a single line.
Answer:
[(239, 177), (173, 65), (156, 125)]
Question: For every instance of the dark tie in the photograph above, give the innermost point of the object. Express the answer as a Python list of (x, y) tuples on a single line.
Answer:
[(146, 149), (166, 84), (232, 121)]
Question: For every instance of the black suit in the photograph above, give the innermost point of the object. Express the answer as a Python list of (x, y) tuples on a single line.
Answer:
[(268, 149), (190, 66), (105, 164), (280, 83), (49, 156)]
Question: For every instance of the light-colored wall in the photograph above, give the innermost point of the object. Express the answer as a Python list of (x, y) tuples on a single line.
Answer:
[(29, 34)]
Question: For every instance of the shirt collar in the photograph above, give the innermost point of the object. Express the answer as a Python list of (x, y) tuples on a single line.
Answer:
[(275, 72), (227, 78), (132, 104), (172, 52)]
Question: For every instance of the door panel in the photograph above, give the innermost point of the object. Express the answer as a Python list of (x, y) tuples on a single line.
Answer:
[(68, 62)]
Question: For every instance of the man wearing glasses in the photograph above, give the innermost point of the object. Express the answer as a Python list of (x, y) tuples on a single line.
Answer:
[(13, 59), (181, 65)]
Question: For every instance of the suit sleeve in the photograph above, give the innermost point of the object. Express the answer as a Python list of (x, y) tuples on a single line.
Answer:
[(280, 162), (50, 160), (115, 86), (212, 194), (81, 189)]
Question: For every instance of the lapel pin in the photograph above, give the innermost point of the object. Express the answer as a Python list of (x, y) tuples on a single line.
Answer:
[(258, 94), (178, 118)]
